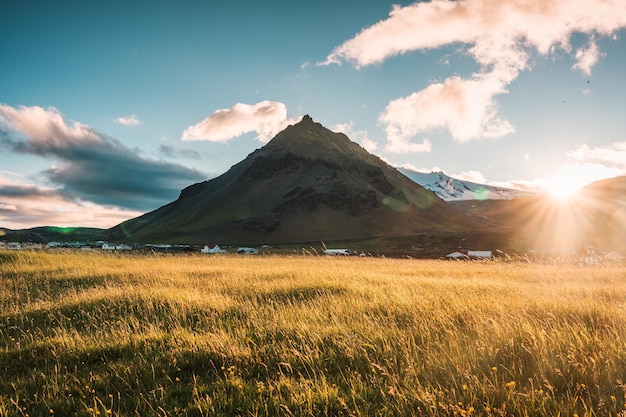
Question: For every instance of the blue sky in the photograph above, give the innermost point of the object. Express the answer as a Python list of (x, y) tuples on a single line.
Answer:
[(109, 109)]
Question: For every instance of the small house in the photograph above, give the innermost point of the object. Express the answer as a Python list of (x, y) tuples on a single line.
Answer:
[(338, 252), (457, 256), (590, 257), (212, 249), (613, 257), (479, 254)]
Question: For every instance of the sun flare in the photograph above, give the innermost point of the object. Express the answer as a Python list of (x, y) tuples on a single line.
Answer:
[(564, 185), (563, 191)]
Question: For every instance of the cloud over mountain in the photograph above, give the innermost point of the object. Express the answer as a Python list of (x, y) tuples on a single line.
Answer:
[(501, 36), (90, 166), (265, 118)]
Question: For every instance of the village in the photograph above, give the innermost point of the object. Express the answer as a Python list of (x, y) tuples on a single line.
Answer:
[(106, 246), (586, 255)]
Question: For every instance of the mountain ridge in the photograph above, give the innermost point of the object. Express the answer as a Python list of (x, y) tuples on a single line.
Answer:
[(307, 183), (311, 184), (452, 189), (594, 216)]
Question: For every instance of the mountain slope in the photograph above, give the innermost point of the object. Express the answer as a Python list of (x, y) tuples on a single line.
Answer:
[(46, 234), (306, 184), (452, 189), (595, 215)]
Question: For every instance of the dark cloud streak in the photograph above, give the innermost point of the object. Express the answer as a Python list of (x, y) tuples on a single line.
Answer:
[(175, 153), (15, 190), (92, 166)]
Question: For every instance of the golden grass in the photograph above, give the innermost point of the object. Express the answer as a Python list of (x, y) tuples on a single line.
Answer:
[(107, 334)]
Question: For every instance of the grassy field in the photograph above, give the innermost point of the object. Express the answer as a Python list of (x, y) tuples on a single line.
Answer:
[(93, 334)]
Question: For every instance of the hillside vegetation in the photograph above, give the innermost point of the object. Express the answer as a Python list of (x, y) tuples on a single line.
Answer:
[(188, 335)]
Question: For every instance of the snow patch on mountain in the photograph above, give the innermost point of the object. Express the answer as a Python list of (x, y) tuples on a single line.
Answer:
[(452, 189)]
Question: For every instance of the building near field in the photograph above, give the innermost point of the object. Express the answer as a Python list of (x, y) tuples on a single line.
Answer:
[(214, 248)]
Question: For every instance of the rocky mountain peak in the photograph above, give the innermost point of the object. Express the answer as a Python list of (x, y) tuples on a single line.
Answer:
[(306, 119), (307, 183), (309, 139)]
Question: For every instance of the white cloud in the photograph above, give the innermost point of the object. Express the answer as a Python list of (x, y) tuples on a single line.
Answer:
[(266, 118), (397, 143), (24, 205), (465, 107), (7, 207), (612, 156), (45, 127), (496, 28), (524, 185), (9, 173), (499, 34), (359, 136), (422, 170), (369, 145), (587, 57), (472, 176), (57, 211), (128, 120)]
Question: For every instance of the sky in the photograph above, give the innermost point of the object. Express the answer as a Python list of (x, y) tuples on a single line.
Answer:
[(109, 109)]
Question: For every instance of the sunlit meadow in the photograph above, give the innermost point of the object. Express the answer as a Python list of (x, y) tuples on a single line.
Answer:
[(94, 334)]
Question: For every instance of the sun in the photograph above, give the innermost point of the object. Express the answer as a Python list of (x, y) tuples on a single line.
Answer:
[(563, 191), (563, 186)]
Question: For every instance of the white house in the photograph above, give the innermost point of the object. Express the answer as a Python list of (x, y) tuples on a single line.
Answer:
[(247, 251), (479, 254), (613, 256), (591, 256), (337, 252), (121, 246), (212, 249), (457, 255)]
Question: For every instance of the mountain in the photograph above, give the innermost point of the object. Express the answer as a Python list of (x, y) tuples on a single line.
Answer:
[(452, 189), (605, 203), (307, 184), (46, 234), (595, 216)]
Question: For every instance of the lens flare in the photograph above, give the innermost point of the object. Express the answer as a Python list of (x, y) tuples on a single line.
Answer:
[(562, 190), (397, 200), (481, 194)]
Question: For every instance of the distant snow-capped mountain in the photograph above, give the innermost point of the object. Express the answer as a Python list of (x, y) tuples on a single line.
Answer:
[(451, 189)]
